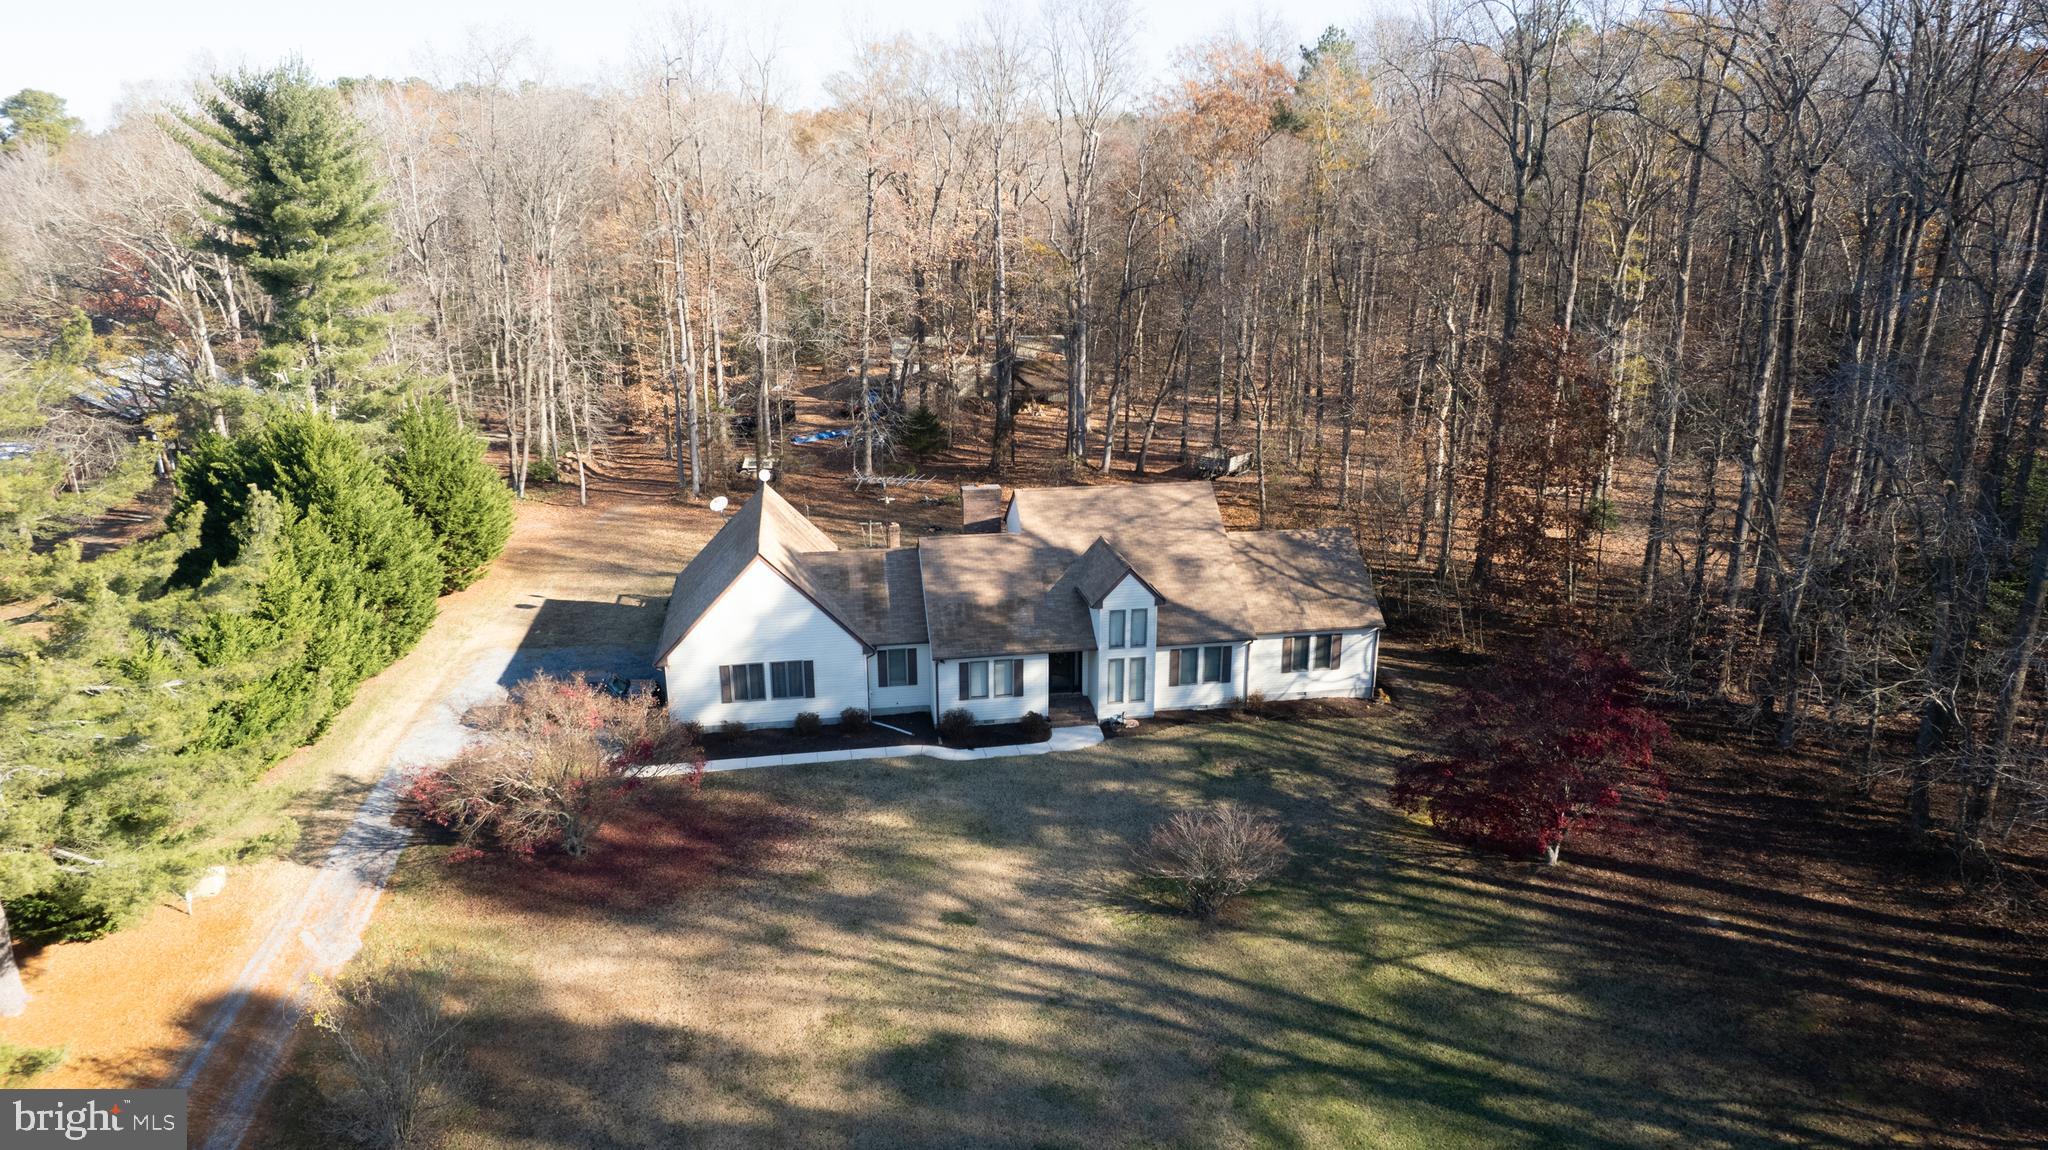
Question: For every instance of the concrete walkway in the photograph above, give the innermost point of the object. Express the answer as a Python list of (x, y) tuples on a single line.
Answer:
[(1063, 739)]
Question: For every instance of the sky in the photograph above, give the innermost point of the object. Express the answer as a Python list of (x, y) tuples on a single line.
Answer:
[(97, 55)]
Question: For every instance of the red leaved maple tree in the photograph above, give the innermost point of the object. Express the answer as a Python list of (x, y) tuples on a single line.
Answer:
[(1555, 744)]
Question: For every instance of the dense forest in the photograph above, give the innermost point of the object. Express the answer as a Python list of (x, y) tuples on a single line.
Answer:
[(1708, 328)]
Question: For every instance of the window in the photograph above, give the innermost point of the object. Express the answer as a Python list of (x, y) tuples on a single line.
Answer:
[(792, 680), (742, 682), (1301, 652), (1329, 650), (1190, 665), (1138, 680), (1005, 677), (1116, 628), (974, 680), (1140, 617), (1115, 689), (1294, 653), (896, 667), (1009, 677)]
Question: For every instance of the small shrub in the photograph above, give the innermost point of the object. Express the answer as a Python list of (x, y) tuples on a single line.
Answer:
[(808, 724), (732, 728), (1037, 728), (854, 720), (690, 729), (954, 724), (391, 1042), (1204, 858), (1254, 704)]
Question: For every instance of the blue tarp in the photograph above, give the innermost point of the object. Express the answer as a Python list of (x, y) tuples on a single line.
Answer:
[(821, 436)]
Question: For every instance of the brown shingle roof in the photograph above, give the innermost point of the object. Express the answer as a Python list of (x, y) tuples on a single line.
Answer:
[(1172, 536), (1311, 580), (1097, 572), (1072, 517), (881, 592), (1000, 594), (767, 527)]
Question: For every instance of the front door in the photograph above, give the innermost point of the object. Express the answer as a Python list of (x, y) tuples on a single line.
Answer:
[(1063, 674)]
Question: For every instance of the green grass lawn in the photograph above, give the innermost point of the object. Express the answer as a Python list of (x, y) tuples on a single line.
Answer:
[(909, 953)]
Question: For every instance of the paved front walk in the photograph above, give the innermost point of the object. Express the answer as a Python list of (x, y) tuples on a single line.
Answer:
[(1063, 739)]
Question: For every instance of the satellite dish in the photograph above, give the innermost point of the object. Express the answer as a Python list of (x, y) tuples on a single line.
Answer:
[(718, 504), (767, 476)]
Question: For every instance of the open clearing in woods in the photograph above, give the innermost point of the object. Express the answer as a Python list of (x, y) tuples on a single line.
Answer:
[(914, 953), (907, 953)]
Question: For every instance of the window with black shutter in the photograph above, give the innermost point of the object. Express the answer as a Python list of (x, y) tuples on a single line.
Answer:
[(742, 682), (792, 679)]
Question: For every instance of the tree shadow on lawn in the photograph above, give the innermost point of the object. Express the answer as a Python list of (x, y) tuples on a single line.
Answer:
[(947, 965)]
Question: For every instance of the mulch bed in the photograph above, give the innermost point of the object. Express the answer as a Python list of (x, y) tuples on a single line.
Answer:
[(759, 741), (668, 842)]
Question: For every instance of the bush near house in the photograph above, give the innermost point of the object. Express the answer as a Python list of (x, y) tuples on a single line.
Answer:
[(854, 720), (808, 724), (560, 757), (1037, 728), (954, 724)]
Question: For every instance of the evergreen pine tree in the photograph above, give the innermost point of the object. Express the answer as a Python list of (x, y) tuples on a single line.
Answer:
[(441, 472), (922, 435), (351, 584), (299, 210), (37, 116)]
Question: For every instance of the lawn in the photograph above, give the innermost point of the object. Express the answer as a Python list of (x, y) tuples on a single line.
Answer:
[(907, 953)]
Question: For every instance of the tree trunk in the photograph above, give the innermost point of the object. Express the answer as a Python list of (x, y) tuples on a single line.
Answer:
[(13, 995)]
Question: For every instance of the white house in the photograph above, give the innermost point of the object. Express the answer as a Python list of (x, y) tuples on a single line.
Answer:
[(1126, 598)]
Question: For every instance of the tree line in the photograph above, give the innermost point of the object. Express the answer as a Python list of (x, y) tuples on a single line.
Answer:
[(146, 688)]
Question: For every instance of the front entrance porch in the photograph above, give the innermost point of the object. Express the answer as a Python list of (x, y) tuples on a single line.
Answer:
[(1063, 672), (1070, 709)]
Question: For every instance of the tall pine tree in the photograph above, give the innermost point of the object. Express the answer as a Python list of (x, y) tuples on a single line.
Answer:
[(298, 208)]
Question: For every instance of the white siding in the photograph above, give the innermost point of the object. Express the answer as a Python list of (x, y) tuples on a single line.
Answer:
[(994, 710), (896, 700), (762, 619), (1357, 664), (1126, 595), (1195, 696)]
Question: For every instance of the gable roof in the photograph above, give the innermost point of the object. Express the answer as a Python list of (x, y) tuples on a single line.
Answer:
[(881, 592), (1072, 517), (1313, 580), (765, 527), (1169, 534), (1000, 594), (1098, 571)]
